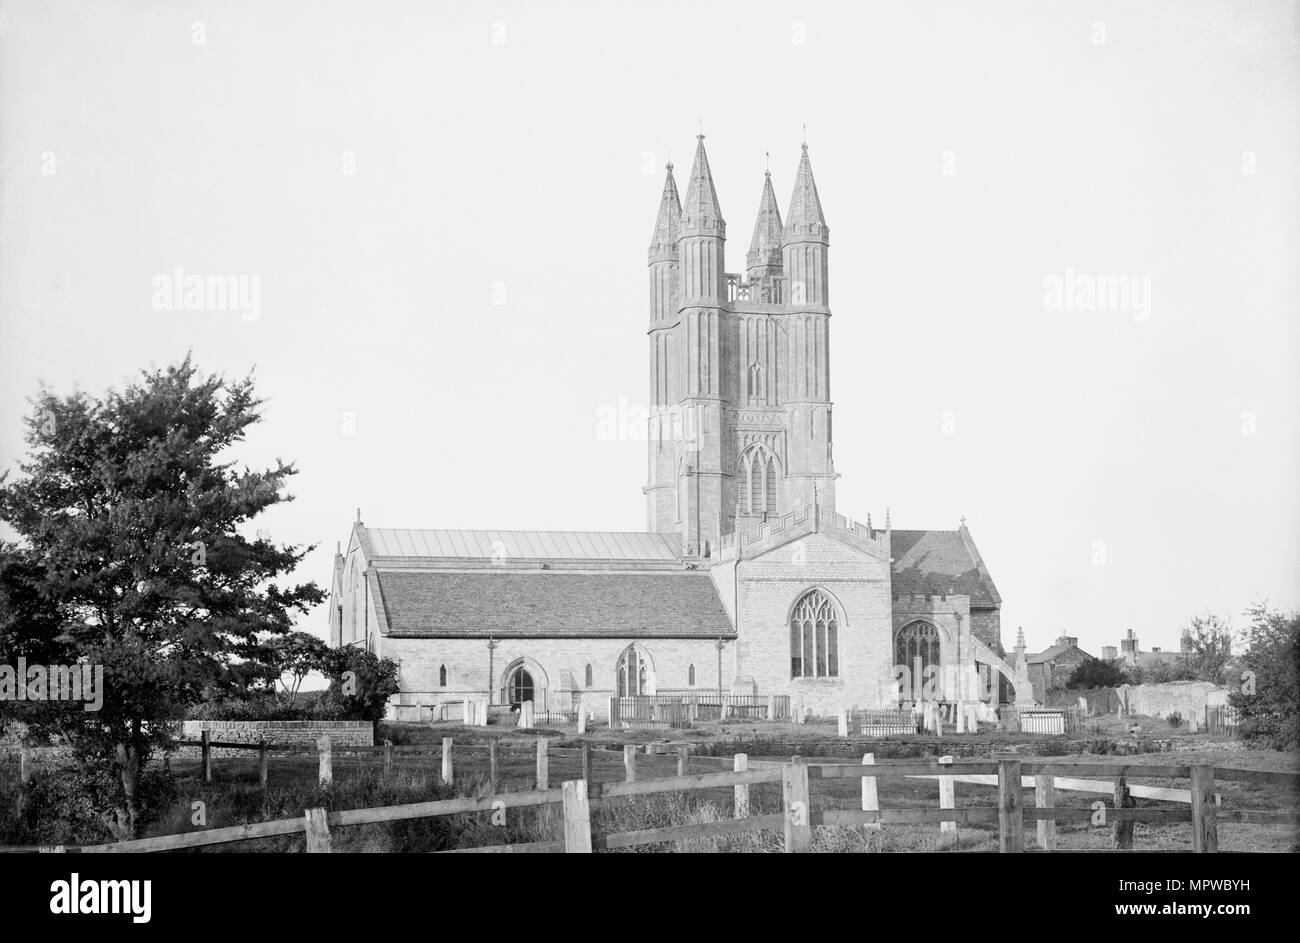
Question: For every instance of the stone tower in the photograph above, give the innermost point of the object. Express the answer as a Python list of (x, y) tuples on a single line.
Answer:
[(740, 430)]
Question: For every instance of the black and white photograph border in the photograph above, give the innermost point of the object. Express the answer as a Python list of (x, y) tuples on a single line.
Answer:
[(339, 511)]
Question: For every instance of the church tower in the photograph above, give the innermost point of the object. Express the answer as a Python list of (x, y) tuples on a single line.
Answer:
[(739, 379)]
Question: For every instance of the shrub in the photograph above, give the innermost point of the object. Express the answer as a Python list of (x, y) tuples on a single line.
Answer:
[(1175, 719)]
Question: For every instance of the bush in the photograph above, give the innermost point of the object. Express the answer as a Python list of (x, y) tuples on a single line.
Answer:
[(1175, 719), (64, 807), (312, 705), (1269, 696)]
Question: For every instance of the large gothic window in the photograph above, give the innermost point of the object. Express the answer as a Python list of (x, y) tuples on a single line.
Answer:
[(632, 673), (916, 640), (814, 638), (756, 473)]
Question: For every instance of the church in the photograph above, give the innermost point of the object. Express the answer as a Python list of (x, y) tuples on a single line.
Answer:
[(747, 579)]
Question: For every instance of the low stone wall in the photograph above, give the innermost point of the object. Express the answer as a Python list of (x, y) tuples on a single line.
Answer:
[(1160, 700), (356, 733)]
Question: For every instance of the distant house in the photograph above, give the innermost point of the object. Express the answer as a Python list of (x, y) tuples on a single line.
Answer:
[(1133, 656), (1050, 669)]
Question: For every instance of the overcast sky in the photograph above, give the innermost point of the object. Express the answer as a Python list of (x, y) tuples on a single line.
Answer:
[(446, 207)]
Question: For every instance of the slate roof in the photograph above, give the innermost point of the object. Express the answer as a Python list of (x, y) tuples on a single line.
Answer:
[(519, 544), (556, 604), (941, 562)]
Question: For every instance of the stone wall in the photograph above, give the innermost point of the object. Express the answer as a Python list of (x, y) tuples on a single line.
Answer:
[(1161, 700), (356, 733)]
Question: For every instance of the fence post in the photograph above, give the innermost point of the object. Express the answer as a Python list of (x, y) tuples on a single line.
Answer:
[(947, 799), (870, 794), (613, 713), (1205, 826), (24, 772), (543, 763), (683, 757), (206, 737), (586, 765), (493, 782), (1045, 798), (629, 762), (446, 761), (1122, 831), (388, 757), (262, 751), (740, 763), (582, 718), (794, 794), (326, 762), (1011, 807), (318, 832), (577, 817)]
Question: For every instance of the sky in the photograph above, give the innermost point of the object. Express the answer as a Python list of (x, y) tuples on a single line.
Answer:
[(444, 209)]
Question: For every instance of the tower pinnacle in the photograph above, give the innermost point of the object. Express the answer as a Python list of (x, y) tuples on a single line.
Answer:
[(667, 225), (701, 211), (805, 217), (765, 247)]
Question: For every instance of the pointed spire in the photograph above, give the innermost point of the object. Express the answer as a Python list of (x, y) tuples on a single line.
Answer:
[(765, 247), (1020, 638), (701, 210), (805, 217), (668, 224)]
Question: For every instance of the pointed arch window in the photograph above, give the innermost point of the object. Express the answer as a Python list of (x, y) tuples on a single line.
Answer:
[(814, 637), (587, 676), (754, 386), (916, 646), (632, 673), (757, 477), (690, 676), (442, 676)]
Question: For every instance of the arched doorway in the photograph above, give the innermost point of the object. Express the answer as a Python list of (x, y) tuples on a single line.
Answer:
[(519, 686)]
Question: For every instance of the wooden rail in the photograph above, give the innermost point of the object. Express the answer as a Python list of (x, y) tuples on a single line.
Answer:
[(797, 818)]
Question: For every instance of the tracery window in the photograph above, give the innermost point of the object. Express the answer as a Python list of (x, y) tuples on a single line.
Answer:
[(814, 638)]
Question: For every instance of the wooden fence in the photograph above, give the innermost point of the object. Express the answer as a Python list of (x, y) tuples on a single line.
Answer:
[(576, 798)]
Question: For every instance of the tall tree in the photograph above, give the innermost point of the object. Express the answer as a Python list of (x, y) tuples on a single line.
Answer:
[(1207, 647), (132, 558), (1266, 692)]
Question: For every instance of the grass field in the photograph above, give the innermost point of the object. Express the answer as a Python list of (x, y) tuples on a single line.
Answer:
[(359, 782)]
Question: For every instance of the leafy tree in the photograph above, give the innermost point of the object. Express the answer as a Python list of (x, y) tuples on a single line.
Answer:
[(1095, 673), (1209, 646), (1267, 694), (131, 559), (361, 682), (298, 654)]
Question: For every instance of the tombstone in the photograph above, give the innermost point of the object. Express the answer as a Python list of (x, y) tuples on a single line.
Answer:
[(467, 708), (582, 719), (771, 707), (481, 713), (526, 716), (1192, 724), (844, 721), (960, 711)]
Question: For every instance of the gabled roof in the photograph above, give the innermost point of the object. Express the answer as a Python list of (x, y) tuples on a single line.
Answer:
[(1053, 653), (941, 562), (425, 604), (518, 545)]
